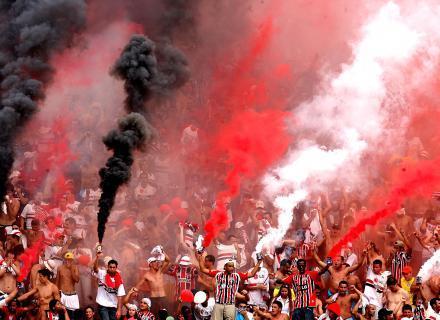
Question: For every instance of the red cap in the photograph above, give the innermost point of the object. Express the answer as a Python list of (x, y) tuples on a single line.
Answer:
[(407, 270), (335, 308)]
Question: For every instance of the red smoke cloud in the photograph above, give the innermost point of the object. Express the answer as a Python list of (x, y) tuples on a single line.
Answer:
[(249, 140), (28, 258), (417, 179)]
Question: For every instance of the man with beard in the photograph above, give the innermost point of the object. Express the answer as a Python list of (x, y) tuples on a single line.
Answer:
[(154, 278), (344, 299), (110, 289)]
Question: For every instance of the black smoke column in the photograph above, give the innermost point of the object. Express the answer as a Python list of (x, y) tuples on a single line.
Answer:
[(132, 134), (31, 31), (144, 76)]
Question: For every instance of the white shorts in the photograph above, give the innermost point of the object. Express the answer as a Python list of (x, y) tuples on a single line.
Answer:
[(3, 298), (70, 301)]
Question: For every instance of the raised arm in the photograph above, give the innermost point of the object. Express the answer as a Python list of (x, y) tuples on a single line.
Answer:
[(95, 262), (254, 271), (202, 267), (165, 263), (321, 263), (422, 243), (359, 264), (27, 295)]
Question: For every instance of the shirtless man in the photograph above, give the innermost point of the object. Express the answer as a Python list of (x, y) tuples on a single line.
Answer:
[(431, 288), (338, 270), (154, 278), (344, 299), (67, 277), (9, 271), (395, 297), (207, 282), (46, 291), (34, 234), (370, 311)]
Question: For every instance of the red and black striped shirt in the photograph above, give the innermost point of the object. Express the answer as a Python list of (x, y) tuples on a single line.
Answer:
[(303, 285), (226, 285), (400, 260), (185, 277)]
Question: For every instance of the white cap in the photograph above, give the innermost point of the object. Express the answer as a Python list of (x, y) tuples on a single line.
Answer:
[(147, 301), (14, 232), (151, 259), (185, 261), (200, 297)]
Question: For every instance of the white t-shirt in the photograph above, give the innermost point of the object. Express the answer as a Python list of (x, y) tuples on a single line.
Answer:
[(105, 296), (375, 287), (204, 313), (261, 277), (224, 253), (431, 314), (352, 259)]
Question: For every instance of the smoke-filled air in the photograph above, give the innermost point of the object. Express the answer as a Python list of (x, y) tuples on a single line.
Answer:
[(224, 160)]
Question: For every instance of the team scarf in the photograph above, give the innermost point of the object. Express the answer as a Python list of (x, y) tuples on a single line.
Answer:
[(113, 282)]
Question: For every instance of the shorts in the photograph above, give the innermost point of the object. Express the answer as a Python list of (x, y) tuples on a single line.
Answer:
[(3, 298), (70, 301)]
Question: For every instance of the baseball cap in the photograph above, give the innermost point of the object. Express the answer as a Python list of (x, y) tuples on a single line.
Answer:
[(151, 259), (68, 255), (147, 301), (185, 261), (384, 312), (335, 308), (14, 232), (406, 270)]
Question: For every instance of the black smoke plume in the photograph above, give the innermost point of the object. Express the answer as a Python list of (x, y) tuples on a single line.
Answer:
[(144, 76), (31, 31), (133, 132)]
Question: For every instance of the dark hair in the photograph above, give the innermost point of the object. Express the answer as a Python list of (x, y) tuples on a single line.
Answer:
[(210, 257), (289, 292), (343, 282), (162, 314), (112, 261), (279, 304), (285, 262), (70, 220), (406, 307), (433, 301), (35, 222), (301, 260), (391, 281), (52, 304), (89, 307), (45, 273), (377, 261)]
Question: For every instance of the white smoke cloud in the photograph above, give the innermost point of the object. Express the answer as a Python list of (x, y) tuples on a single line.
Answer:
[(431, 267), (351, 111)]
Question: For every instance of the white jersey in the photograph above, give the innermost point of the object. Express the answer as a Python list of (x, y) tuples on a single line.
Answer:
[(256, 297), (375, 286)]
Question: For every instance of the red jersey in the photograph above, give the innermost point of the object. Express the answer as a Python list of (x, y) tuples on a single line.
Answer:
[(226, 285), (303, 285), (185, 277)]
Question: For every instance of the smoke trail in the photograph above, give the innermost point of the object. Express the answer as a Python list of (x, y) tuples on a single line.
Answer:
[(31, 31), (133, 132), (250, 150), (431, 267), (421, 179), (143, 77), (358, 92), (245, 138)]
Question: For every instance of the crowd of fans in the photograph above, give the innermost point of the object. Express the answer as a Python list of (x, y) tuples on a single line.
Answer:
[(149, 268)]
